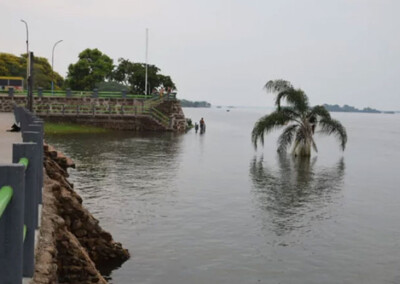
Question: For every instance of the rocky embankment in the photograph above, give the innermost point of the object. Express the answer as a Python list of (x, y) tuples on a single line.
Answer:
[(72, 246)]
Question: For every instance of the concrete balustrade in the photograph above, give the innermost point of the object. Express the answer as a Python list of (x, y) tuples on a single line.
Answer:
[(21, 185)]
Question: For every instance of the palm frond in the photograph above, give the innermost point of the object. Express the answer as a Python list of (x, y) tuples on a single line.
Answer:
[(267, 123), (294, 97), (320, 111), (314, 145), (286, 138), (332, 126), (277, 86), (291, 112)]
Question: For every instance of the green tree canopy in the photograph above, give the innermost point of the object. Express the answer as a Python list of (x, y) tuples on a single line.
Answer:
[(12, 65), (299, 119), (92, 67), (133, 75)]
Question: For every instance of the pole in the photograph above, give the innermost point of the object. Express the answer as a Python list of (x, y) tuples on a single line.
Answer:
[(52, 66), (27, 54), (147, 47), (30, 83)]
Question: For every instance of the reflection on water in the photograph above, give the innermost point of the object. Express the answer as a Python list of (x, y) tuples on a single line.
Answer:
[(294, 194), (122, 175)]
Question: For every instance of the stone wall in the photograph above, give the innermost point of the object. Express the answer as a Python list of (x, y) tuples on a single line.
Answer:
[(172, 109), (6, 102), (72, 246)]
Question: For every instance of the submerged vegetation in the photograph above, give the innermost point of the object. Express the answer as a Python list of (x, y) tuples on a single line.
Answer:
[(301, 121), (70, 128)]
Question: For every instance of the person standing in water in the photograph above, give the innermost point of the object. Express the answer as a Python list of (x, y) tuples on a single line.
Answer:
[(202, 125)]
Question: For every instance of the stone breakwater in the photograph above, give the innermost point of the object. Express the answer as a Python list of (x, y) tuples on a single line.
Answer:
[(72, 246)]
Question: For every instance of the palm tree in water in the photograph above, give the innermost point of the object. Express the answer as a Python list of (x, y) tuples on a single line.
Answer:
[(299, 119)]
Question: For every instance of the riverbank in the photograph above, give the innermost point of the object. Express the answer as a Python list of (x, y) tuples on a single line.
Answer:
[(72, 248)]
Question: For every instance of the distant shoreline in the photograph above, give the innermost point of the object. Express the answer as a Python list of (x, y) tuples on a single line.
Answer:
[(347, 108)]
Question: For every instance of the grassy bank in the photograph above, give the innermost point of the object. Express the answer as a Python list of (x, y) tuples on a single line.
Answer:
[(69, 128)]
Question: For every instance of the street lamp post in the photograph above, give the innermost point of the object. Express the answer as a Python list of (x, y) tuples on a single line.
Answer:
[(52, 67), (27, 52), (147, 48)]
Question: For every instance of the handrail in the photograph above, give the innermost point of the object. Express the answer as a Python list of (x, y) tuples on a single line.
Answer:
[(93, 93), (24, 161), (6, 193), (20, 196)]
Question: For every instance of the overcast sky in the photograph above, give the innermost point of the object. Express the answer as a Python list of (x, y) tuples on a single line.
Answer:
[(224, 51)]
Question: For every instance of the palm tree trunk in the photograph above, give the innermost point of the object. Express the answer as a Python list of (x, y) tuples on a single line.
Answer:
[(304, 146)]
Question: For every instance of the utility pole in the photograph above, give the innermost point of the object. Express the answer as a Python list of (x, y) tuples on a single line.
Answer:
[(52, 66), (147, 47), (30, 84), (27, 54)]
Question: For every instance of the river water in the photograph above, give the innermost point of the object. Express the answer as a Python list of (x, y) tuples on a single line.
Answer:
[(211, 209)]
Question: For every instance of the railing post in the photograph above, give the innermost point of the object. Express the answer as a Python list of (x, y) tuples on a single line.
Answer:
[(26, 118), (40, 92), (95, 93), (12, 225), (124, 94), (17, 113), (35, 137), (11, 92), (68, 92), (29, 151), (37, 126)]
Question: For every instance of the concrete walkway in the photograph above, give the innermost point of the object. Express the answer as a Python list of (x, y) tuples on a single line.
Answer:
[(7, 138)]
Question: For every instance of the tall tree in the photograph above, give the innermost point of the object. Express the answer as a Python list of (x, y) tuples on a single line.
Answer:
[(11, 65), (299, 119), (92, 67), (133, 75)]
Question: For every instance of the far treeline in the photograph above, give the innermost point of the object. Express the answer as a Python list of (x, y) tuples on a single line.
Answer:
[(186, 103), (93, 69), (347, 108)]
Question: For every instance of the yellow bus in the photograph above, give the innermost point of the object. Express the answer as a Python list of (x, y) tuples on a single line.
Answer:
[(11, 82)]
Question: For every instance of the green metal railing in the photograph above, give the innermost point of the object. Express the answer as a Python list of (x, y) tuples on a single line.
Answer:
[(24, 161), (85, 94), (21, 186), (161, 117), (6, 193)]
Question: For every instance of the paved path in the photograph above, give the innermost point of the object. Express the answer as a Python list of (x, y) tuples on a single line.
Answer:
[(7, 138)]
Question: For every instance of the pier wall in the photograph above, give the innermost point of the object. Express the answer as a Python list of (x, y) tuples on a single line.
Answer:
[(117, 120)]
